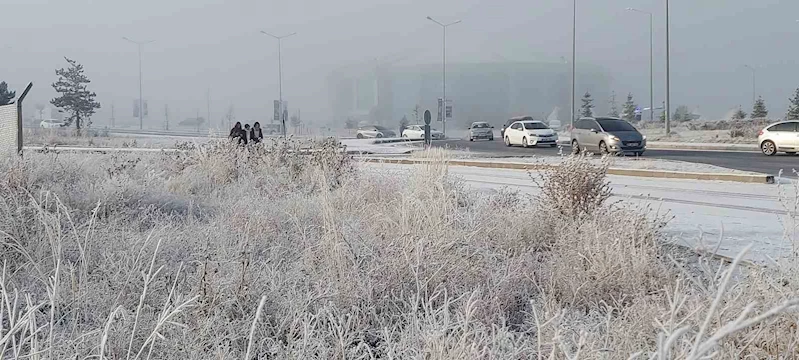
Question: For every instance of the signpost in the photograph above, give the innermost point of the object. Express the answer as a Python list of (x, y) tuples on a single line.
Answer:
[(277, 111), (440, 116), (427, 119)]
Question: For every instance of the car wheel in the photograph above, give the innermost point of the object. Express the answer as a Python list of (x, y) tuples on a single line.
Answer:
[(603, 148), (471, 139), (768, 148), (507, 141), (575, 147), (359, 136), (379, 135), (525, 143)]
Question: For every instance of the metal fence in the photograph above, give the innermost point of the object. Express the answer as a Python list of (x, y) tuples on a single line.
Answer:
[(9, 133)]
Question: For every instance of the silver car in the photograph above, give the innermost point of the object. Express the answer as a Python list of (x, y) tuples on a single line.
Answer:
[(481, 130), (607, 135), (374, 131)]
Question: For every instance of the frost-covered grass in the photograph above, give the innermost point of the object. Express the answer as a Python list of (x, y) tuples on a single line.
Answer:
[(266, 253)]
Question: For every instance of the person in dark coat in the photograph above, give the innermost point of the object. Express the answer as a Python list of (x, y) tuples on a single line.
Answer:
[(256, 134), (238, 134)]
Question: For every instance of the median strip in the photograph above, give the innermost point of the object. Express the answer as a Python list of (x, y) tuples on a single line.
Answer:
[(742, 178)]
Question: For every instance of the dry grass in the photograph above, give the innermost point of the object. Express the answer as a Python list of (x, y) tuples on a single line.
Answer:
[(268, 253)]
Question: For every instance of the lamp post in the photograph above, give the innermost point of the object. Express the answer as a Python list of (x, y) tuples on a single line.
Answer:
[(280, 74), (141, 106), (668, 74), (444, 50), (754, 84), (574, 62), (651, 62)]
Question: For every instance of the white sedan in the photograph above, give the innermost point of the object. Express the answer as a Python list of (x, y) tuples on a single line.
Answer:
[(416, 132), (530, 133)]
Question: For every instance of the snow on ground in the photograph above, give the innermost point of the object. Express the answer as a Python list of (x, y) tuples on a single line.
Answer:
[(630, 163), (368, 146), (704, 212)]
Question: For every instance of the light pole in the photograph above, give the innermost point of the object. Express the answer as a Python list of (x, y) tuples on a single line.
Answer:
[(280, 74), (651, 62), (444, 96), (668, 74), (754, 84), (574, 61), (141, 106)]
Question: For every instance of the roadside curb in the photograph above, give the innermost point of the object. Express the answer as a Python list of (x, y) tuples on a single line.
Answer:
[(742, 178), (655, 145)]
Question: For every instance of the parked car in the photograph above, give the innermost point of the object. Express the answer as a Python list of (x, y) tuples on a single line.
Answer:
[(416, 132), (530, 133), (511, 121), (51, 124), (374, 131), (481, 130), (607, 135), (779, 137)]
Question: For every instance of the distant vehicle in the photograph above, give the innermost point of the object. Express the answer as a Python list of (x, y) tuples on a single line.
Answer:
[(530, 133), (51, 124), (374, 131), (481, 130), (511, 121), (416, 132), (779, 137), (607, 135)]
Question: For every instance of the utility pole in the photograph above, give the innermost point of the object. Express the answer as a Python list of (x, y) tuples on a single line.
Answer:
[(141, 106), (166, 117), (668, 74), (280, 73), (113, 119), (754, 84), (574, 62), (444, 72)]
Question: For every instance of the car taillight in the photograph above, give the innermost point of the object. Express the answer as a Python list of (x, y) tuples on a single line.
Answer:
[(760, 133)]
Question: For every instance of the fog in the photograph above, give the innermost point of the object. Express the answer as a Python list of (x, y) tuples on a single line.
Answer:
[(215, 46)]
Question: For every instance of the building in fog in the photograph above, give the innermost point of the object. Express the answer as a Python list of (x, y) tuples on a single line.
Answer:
[(479, 92)]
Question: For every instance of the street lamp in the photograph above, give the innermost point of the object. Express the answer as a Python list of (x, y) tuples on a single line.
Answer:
[(444, 97), (574, 62), (754, 83), (280, 73), (668, 74), (141, 106), (651, 62)]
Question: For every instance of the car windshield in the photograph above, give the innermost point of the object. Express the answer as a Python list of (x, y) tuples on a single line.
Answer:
[(615, 125), (381, 128), (480, 126), (535, 126)]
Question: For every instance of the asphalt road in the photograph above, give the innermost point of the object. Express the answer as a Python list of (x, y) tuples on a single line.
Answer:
[(739, 160)]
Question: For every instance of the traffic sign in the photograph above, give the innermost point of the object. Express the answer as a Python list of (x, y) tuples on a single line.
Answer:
[(427, 117)]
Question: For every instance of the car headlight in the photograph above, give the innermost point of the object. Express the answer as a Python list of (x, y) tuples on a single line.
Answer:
[(615, 138), (644, 137)]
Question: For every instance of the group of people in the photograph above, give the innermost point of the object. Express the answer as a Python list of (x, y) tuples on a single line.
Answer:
[(245, 135)]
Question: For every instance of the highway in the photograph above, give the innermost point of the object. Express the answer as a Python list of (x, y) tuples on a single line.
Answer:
[(739, 160)]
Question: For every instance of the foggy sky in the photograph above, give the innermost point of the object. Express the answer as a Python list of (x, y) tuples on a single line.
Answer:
[(216, 45)]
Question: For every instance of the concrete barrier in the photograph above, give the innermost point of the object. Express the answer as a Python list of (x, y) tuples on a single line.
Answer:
[(734, 177)]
